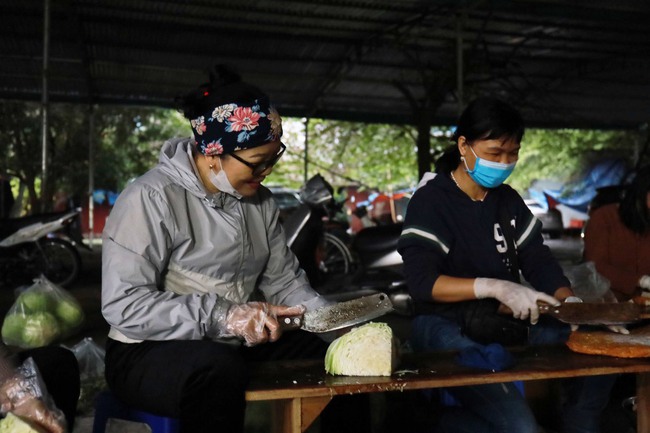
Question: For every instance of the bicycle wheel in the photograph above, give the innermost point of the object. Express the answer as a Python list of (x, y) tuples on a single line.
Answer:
[(335, 259), (61, 262)]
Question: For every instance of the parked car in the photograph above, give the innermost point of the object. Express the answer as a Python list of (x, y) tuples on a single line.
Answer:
[(551, 219), (287, 200)]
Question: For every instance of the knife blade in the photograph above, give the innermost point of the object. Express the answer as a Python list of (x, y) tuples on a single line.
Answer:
[(340, 315), (587, 313)]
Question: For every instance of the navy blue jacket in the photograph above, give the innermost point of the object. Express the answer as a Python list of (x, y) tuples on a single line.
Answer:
[(447, 233)]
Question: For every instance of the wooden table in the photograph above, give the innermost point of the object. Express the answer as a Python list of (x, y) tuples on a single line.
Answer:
[(302, 389)]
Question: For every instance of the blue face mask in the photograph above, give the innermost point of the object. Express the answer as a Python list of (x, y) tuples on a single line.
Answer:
[(488, 174)]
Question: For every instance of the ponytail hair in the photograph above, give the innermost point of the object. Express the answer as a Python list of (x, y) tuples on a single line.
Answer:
[(449, 160), (225, 86)]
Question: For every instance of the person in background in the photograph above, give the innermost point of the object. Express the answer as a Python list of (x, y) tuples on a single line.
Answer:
[(62, 201), (184, 249), (466, 241), (22, 395), (6, 197), (617, 240)]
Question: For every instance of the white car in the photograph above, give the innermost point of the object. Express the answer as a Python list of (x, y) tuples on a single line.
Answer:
[(551, 219)]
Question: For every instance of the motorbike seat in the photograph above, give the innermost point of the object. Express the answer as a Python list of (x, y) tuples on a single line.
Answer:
[(377, 239), (9, 226)]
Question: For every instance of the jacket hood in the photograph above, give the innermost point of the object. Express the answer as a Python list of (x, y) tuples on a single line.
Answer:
[(176, 161)]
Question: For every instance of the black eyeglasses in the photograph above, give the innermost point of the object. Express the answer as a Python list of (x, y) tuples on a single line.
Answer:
[(264, 165)]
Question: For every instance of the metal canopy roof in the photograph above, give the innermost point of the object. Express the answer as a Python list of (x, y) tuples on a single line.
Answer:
[(564, 63)]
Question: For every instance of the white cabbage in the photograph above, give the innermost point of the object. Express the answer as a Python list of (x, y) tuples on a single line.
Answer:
[(368, 350)]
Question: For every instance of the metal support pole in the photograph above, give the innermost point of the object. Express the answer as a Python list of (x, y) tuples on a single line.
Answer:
[(306, 157), (459, 63), (44, 106), (91, 176)]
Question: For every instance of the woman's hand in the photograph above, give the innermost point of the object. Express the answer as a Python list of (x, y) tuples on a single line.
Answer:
[(520, 299), (256, 322)]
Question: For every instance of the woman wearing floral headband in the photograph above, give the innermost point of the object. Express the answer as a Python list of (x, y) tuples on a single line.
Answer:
[(184, 248)]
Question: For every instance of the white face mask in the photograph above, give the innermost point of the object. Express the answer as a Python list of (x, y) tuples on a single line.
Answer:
[(221, 182)]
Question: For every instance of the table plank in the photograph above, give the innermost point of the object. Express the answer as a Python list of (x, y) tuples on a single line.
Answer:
[(291, 379)]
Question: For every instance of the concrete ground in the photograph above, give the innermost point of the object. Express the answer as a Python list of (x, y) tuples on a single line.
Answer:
[(87, 290)]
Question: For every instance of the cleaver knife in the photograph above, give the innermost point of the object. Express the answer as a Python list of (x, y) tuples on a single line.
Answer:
[(586, 313), (341, 315)]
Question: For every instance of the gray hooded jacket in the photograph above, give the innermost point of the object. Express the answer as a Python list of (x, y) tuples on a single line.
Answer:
[(175, 257)]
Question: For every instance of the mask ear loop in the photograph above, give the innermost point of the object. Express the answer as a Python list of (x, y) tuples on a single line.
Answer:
[(462, 158)]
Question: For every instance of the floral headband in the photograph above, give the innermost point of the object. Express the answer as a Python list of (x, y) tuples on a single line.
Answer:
[(231, 127)]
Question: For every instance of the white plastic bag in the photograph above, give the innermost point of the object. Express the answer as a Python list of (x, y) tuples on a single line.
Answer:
[(26, 398), (588, 284), (90, 357), (42, 314)]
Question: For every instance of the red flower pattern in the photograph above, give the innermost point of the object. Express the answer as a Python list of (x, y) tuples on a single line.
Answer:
[(244, 118)]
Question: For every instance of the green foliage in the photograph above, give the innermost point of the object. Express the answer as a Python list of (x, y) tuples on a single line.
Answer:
[(130, 139), (565, 154), (375, 155), (127, 142)]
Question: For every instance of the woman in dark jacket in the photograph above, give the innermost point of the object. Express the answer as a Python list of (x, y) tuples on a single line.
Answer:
[(467, 240)]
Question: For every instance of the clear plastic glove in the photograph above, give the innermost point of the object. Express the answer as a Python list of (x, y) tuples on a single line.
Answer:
[(20, 396), (255, 322), (520, 299)]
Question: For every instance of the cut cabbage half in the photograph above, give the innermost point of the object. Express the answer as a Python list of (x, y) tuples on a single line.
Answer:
[(368, 350)]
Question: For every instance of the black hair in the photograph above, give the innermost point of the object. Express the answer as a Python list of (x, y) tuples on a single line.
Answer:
[(485, 118), (225, 87), (633, 209)]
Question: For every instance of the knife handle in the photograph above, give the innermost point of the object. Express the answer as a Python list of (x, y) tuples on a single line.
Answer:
[(289, 323), (544, 308)]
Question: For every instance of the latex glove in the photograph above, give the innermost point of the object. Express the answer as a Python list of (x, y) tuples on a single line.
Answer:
[(619, 329), (609, 297), (520, 299), (17, 396), (256, 323), (644, 282)]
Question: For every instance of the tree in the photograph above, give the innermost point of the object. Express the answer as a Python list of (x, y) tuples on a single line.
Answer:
[(127, 141), (382, 156), (565, 154), (375, 155)]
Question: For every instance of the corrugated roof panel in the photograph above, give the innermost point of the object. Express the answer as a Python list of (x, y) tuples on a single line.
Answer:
[(342, 56)]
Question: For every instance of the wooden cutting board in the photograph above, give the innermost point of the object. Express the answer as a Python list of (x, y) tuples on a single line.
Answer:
[(597, 342)]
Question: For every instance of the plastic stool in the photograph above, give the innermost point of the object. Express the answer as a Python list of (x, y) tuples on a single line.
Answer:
[(108, 406), (446, 399)]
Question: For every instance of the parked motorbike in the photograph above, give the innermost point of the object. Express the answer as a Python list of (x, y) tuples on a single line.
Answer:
[(342, 268), (37, 245)]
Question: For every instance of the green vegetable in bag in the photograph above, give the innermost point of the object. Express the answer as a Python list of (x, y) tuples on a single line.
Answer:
[(12, 327), (40, 330), (69, 314), (35, 301), (42, 314)]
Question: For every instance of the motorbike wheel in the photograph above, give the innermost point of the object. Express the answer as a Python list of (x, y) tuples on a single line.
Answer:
[(335, 259), (61, 262)]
